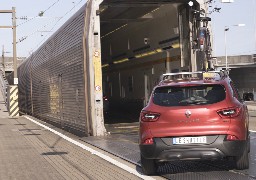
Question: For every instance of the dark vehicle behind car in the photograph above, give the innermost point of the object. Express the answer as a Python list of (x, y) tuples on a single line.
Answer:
[(248, 96)]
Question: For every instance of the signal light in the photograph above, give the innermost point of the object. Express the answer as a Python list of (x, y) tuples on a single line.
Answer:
[(201, 40), (147, 116), (105, 98), (148, 141)]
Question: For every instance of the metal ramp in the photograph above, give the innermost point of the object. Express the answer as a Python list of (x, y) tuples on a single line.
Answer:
[(125, 146)]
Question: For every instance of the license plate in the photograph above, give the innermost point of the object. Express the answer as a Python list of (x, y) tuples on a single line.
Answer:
[(189, 140)]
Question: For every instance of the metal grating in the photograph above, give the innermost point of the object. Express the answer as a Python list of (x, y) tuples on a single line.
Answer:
[(52, 79)]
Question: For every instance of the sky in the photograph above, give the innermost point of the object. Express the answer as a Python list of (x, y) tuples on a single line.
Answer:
[(241, 40), (34, 30)]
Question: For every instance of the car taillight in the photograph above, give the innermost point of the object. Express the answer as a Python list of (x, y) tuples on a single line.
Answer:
[(147, 116), (231, 138), (229, 112)]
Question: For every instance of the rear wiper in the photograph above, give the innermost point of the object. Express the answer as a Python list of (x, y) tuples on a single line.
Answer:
[(193, 102), (198, 102)]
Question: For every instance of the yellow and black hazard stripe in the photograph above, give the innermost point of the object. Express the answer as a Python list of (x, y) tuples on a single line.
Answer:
[(14, 105)]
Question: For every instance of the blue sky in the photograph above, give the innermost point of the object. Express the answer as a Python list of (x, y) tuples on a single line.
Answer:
[(240, 40)]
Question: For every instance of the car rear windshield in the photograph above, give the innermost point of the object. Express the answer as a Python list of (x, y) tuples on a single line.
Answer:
[(188, 95)]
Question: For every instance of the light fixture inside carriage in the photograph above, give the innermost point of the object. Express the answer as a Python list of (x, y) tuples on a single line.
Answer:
[(149, 53), (121, 27), (190, 3)]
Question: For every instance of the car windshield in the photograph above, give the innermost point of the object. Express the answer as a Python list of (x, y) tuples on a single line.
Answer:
[(188, 95)]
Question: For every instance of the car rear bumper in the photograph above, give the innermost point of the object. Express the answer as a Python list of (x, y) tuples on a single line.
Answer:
[(164, 150)]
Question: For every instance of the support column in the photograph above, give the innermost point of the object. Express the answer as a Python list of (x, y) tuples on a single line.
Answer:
[(97, 118)]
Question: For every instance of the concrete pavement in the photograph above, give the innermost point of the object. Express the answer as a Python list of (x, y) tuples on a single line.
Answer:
[(30, 152), (251, 105)]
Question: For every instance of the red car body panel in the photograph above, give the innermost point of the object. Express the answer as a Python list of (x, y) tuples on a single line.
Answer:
[(204, 120)]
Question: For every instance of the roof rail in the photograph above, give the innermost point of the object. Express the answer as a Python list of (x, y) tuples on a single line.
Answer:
[(194, 75)]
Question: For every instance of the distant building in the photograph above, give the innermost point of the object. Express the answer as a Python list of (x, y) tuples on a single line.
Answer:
[(235, 61), (242, 72)]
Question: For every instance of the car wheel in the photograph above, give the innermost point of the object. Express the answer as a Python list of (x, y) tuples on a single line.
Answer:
[(148, 166), (242, 161)]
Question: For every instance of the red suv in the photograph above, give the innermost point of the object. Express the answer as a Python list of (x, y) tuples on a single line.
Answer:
[(194, 115)]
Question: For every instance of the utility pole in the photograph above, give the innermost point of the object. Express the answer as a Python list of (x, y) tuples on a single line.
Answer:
[(3, 60), (226, 55), (13, 27), (14, 46), (13, 104)]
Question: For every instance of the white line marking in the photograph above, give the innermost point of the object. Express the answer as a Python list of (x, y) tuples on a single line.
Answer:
[(252, 131), (103, 156)]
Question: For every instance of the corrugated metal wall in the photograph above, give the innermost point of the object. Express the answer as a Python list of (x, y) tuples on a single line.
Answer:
[(51, 84)]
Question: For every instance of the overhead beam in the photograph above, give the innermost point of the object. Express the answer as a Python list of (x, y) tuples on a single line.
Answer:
[(139, 3), (131, 5), (6, 11), (5, 26)]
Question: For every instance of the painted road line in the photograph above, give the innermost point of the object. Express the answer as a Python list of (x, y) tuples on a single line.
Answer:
[(97, 153)]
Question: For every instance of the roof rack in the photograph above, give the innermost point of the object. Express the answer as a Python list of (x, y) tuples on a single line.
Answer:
[(190, 76)]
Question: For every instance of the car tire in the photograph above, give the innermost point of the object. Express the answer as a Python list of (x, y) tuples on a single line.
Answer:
[(148, 166), (242, 161)]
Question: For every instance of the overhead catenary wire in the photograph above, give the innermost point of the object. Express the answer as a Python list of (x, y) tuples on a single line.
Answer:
[(55, 25), (33, 33), (24, 38), (38, 15)]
